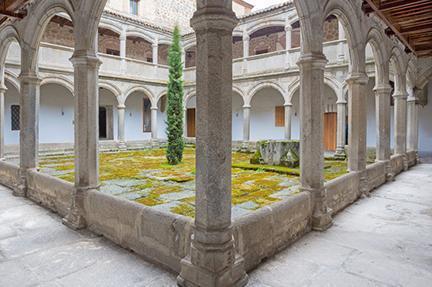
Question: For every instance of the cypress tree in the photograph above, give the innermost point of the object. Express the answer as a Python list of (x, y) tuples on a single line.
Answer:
[(174, 152)]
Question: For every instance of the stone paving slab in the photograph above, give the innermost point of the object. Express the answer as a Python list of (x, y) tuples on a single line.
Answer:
[(382, 241)]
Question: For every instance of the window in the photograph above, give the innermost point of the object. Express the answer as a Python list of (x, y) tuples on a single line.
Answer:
[(147, 115), (280, 116), (134, 7), (260, 52), (15, 117), (112, 52)]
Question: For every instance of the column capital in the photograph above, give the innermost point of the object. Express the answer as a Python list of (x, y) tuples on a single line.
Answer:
[(288, 105), (215, 18), (30, 78), (121, 107), (154, 108), (82, 57), (400, 95), (246, 37), (360, 78), (342, 102), (382, 89), (315, 60), (247, 107), (288, 28), (3, 89), (155, 45)]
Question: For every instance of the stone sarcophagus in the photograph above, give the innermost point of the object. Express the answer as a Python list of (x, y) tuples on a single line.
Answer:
[(281, 153)]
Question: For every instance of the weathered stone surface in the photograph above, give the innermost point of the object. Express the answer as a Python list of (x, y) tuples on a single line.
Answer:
[(283, 153)]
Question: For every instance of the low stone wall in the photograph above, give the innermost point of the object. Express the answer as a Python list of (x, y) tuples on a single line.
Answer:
[(397, 164), (376, 175), (9, 174), (50, 192), (342, 191), (412, 158), (271, 229), (162, 238)]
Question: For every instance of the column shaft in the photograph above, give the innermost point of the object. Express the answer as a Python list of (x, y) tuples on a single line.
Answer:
[(121, 123), (382, 110), (340, 48), (341, 129), (311, 135), (288, 44), (246, 40), (86, 75), (2, 118), (29, 126), (400, 108), (357, 120), (155, 53), (212, 261), (246, 123), (412, 133), (154, 124), (288, 116)]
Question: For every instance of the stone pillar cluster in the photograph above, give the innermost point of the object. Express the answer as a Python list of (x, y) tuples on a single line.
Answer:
[(312, 146), (213, 261)]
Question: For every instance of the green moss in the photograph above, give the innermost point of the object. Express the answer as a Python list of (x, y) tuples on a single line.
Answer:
[(184, 209), (268, 168)]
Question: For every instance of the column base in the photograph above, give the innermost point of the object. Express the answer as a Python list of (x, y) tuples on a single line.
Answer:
[(20, 190), (405, 162), (195, 276), (364, 185), (340, 154), (75, 219), (122, 145), (321, 222)]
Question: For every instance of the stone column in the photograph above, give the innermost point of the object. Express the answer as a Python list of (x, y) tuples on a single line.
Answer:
[(86, 74), (246, 40), (154, 124), (288, 31), (382, 110), (185, 122), (400, 109), (246, 123), (3, 90), (288, 116), (123, 40), (412, 133), (341, 129), (213, 261), (357, 120), (155, 52), (311, 135), (183, 58), (341, 45), (121, 124), (29, 127)]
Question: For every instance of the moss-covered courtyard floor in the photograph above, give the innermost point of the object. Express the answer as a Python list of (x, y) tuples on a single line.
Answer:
[(145, 177)]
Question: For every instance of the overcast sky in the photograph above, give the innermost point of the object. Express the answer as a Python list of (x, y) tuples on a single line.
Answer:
[(259, 4)]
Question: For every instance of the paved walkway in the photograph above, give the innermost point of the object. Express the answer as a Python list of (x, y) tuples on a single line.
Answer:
[(385, 240)]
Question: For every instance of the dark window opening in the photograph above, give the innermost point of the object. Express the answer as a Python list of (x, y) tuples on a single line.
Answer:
[(113, 52), (102, 123), (15, 117), (134, 7)]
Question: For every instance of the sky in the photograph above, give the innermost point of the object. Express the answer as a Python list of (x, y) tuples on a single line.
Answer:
[(259, 4)]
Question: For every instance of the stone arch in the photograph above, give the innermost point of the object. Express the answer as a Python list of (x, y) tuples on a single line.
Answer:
[(350, 18), (140, 34), (265, 24), (146, 91), (377, 41), (252, 92), (160, 95), (398, 60), (62, 81), (329, 80), (110, 26), (7, 35), (13, 80), (40, 14), (310, 14), (411, 73), (112, 88)]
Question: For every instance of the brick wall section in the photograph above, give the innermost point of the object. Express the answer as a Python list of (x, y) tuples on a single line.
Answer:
[(271, 42), (139, 49), (108, 42), (163, 54), (331, 32), (238, 48), (59, 35)]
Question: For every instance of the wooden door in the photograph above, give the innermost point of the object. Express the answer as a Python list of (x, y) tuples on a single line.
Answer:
[(330, 127), (191, 123)]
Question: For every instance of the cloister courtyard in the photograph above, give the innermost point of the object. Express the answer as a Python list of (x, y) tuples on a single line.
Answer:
[(214, 143)]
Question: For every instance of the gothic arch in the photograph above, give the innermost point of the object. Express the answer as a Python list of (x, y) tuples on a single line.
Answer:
[(143, 89)]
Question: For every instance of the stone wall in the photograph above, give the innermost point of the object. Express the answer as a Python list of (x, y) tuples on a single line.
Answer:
[(9, 174), (139, 49), (60, 35), (271, 42), (331, 32), (342, 191)]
